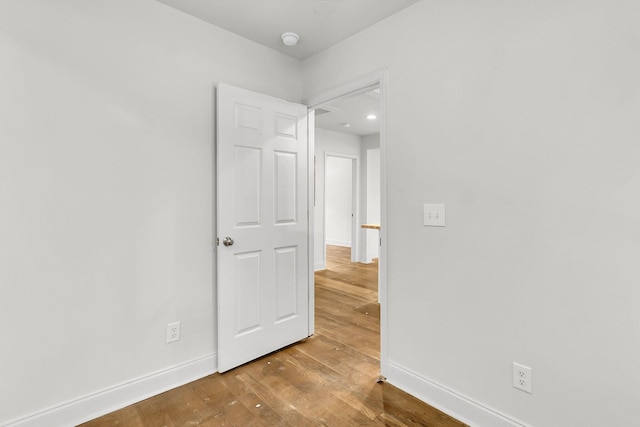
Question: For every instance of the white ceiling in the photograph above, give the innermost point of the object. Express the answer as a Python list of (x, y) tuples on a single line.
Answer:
[(352, 111), (263, 21)]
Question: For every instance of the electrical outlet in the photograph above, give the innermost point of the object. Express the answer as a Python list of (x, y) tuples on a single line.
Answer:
[(173, 332), (522, 377)]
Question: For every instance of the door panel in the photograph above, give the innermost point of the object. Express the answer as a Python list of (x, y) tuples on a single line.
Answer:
[(285, 196), (248, 288), (263, 282), (248, 181), (286, 281)]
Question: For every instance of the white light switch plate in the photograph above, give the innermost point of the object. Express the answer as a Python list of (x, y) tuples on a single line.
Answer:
[(434, 215)]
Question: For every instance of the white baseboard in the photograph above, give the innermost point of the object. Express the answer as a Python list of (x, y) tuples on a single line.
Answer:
[(113, 398), (319, 266), (451, 403), (344, 243)]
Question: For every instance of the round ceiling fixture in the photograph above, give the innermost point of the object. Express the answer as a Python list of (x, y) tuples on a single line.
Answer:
[(290, 39), (324, 7), (371, 117)]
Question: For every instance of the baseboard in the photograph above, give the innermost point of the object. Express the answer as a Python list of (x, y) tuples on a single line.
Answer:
[(451, 403), (343, 243), (319, 266), (113, 398)]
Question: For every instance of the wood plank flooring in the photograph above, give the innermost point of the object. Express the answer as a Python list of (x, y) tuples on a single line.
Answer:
[(327, 380)]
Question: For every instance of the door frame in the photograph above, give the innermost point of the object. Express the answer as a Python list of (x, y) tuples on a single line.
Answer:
[(355, 204), (363, 84)]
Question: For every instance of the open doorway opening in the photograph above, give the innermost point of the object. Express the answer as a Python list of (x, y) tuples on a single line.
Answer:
[(341, 202), (348, 215), (348, 175)]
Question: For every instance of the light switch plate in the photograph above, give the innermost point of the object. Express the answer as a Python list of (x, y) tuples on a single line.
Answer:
[(434, 215)]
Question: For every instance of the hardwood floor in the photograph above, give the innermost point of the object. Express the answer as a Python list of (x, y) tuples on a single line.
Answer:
[(327, 380)]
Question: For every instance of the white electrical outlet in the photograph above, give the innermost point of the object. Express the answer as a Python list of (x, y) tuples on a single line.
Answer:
[(434, 215), (173, 332), (522, 377)]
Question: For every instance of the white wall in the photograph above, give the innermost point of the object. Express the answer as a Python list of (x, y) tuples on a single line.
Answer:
[(370, 154), (338, 199), (327, 141), (523, 118), (373, 200), (106, 190)]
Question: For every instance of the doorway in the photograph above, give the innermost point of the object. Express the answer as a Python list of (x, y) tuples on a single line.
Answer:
[(341, 202), (368, 244)]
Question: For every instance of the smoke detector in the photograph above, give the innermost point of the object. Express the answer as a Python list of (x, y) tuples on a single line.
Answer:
[(290, 39)]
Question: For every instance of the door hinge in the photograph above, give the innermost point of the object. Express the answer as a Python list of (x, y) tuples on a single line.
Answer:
[(217, 241), (380, 241)]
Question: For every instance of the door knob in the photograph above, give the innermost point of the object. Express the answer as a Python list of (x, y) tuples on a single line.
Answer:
[(228, 241)]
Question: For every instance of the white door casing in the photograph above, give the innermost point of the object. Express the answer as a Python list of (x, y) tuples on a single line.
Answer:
[(262, 189)]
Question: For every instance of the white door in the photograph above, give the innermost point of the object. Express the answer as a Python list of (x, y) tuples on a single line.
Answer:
[(263, 282)]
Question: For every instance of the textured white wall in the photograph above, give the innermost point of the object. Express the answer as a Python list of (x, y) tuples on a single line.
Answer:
[(523, 118), (107, 190)]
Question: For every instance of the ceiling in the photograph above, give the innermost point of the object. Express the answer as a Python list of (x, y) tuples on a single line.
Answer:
[(352, 111), (320, 23)]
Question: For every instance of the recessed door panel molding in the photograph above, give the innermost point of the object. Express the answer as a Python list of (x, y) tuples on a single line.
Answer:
[(286, 191), (248, 291), (248, 118), (286, 276), (286, 126), (248, 177)]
